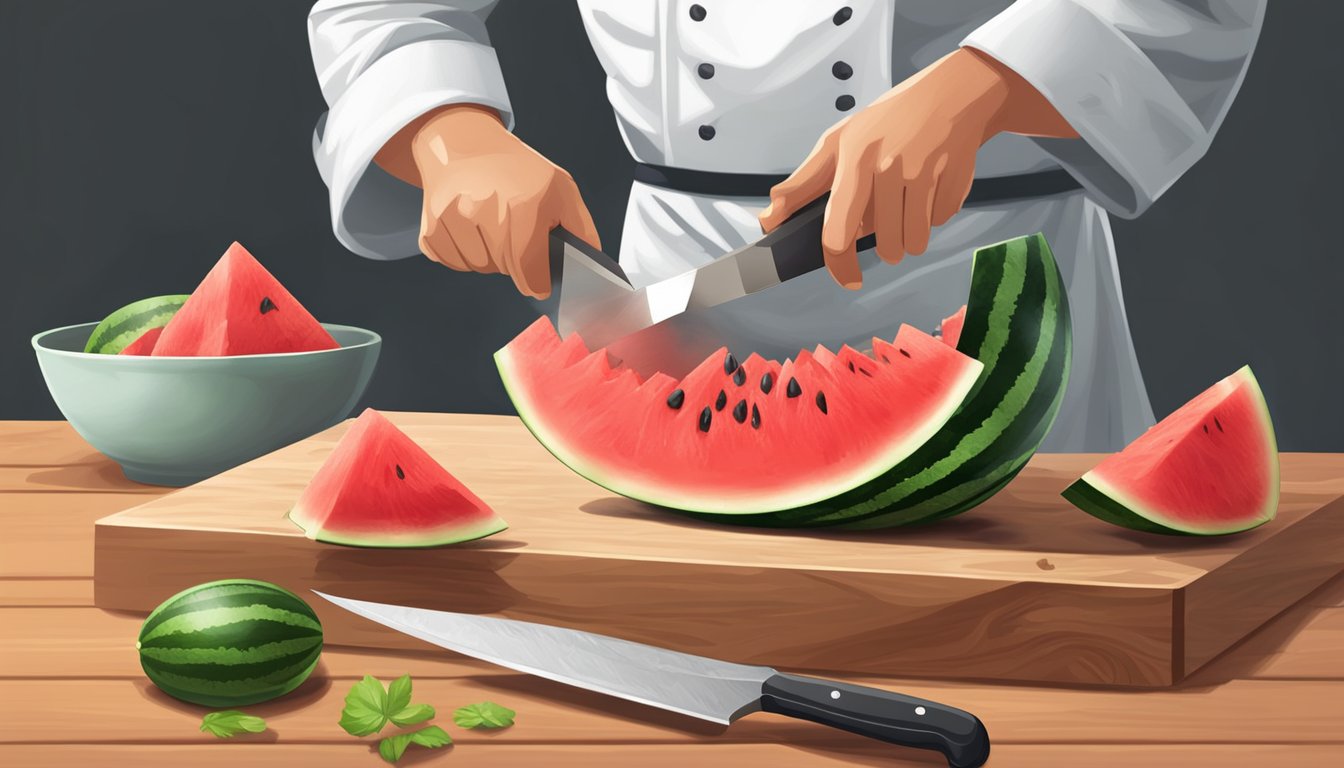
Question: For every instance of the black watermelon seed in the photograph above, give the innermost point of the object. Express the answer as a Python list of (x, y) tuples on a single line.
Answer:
[(740, 376), (903, 352), (675, 399), (885, 359), (851, 366), (729, 363), (705, 417), (721, 401), (767, 382), (865, 372), (1206, 429), (755, 418), (793, 390), (266, 304), (1217, 423), (401, 474), (740, 411), (821, 401)]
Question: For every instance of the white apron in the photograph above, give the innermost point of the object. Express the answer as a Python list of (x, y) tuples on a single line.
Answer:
[(747, 86)]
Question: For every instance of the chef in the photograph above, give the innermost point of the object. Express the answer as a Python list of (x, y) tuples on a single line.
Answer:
[(941, 125)]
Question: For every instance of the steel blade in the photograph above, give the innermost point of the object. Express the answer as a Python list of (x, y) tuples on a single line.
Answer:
[(709, 689)]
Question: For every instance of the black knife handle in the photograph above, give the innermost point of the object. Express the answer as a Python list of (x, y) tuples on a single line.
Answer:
[(878, 714), (795, 245)]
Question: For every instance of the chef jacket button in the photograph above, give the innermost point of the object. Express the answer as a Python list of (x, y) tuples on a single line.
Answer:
[(706, 71), (706, 132), (698, 13), (842, 15), (842, 71), (844, 103)]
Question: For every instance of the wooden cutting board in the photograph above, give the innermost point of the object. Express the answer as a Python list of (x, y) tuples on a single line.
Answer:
[(1022, 588)]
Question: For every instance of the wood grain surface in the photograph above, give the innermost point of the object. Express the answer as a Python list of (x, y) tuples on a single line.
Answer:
[(71, 692), (1022, 588)]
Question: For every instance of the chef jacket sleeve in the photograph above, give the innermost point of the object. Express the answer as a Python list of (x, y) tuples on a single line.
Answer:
[(380, 66), (1145, 83)]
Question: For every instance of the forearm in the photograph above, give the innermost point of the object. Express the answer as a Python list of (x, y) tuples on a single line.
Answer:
[(985, 90), (397, 156)]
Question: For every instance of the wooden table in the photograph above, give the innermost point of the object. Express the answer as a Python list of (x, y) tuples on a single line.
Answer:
[(71, 691)]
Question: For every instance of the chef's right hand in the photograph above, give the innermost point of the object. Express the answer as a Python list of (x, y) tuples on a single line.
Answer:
[(490, 201)]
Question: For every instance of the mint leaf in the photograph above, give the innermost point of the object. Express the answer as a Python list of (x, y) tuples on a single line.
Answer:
[(230, 722), (412, 715), (393, 747), (398, 694), (365, 709), (486, 714)]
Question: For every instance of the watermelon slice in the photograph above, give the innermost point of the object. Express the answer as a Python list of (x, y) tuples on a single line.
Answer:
[(917, 430), (145, 344), (1210, 468), (378, 488), (130, 323), (241, 309)]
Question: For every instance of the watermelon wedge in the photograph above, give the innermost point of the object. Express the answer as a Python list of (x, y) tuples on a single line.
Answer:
[(241, 309), (950, 330), (130, 324), (915, 430), (1211, 467), (378, 488), (145, 344)]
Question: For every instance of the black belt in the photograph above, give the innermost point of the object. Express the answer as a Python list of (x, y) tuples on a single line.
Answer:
[(995, 189)]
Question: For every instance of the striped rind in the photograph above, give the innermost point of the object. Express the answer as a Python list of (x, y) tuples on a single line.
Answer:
[(129, 323), (1017, 323), (230, 643)]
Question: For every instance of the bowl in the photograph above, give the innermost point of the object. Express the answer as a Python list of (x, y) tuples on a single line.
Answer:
[(177, 420)]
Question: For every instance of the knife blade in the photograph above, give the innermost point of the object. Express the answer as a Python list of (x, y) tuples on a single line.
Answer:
[(664, 326), (697, 686)]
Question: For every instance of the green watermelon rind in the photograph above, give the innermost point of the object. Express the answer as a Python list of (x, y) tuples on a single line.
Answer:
[(119, 329), (1106, 501), (983, 446), (419, 539), (798, 496), (209, 672)]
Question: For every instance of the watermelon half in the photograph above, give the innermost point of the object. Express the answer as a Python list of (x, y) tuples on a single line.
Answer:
[(378, 488), (1211, 467), (241, 309), (913, 430)]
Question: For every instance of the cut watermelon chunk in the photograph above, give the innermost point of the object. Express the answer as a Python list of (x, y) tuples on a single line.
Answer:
[(950, 330), (241, 309), (751, 446), (1212, 467), (145, 344), (918, 430), (378, 488)]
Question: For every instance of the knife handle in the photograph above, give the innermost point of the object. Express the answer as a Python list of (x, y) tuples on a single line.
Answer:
[(795, 245), (878, 714)]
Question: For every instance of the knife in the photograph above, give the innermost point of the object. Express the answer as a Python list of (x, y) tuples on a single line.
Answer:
[(709, 689), (669, 326)]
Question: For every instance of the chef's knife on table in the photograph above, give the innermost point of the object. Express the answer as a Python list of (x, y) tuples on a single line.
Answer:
[(709, 689), (669, 325)]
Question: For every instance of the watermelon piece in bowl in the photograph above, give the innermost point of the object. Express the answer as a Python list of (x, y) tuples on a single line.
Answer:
[(379, 488), (1210, 468)]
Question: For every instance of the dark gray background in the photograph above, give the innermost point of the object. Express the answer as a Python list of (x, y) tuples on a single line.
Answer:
[(137, 139)]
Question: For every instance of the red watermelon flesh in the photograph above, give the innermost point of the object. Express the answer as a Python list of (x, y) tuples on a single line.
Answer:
[(1211, 467), (813, 417), (145, 344), (378, 488), (950, 330), (241, 309)]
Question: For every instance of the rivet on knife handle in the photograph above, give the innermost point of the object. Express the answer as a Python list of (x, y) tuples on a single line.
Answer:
[(878, 714)]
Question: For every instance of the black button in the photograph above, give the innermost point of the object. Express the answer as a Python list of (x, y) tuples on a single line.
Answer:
[(842, 71), (698, 13), (844, 103), (841, 16), (706, 71), (707, 131)]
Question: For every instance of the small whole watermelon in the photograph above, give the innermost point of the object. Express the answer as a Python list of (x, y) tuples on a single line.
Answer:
[(230, 643)]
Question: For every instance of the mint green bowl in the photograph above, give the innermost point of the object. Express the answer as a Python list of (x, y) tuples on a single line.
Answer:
[(176, 420)]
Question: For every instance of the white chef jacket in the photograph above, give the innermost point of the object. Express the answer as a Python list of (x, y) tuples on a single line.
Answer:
[(1145, 83)]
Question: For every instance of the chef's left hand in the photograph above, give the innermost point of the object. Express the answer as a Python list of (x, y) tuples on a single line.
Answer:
[(905, 163)]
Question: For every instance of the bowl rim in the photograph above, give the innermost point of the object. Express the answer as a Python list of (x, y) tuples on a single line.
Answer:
[(373, 339)]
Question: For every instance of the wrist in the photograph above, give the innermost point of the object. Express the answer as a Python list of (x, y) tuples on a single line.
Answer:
[(453, 131), (982, 90)]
